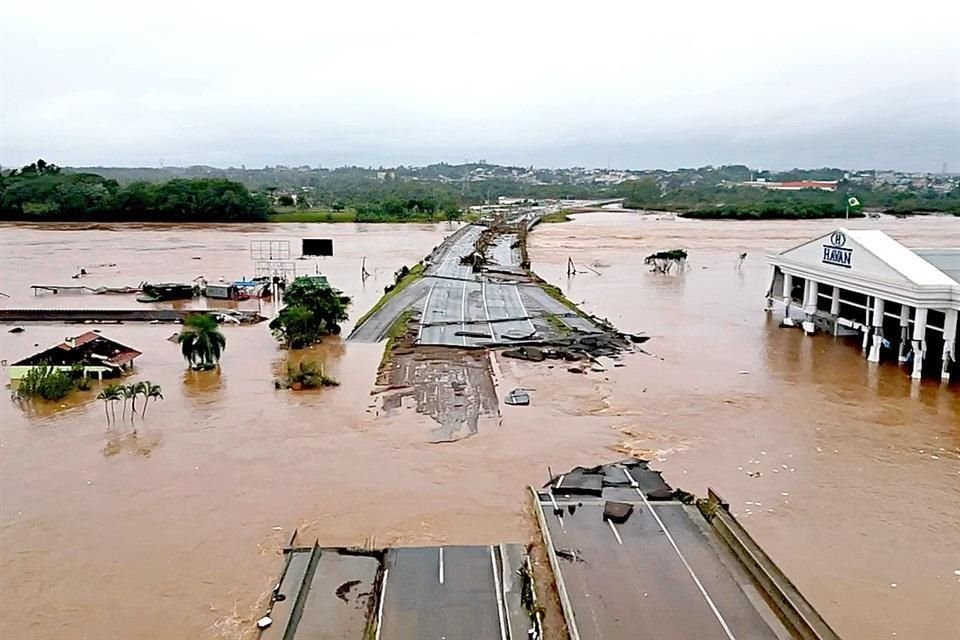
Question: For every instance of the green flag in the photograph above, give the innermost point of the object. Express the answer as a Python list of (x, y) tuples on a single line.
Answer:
[(853, 202)]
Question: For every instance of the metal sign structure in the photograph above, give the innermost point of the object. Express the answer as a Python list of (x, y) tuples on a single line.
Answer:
[(269, 250), (286, 271)]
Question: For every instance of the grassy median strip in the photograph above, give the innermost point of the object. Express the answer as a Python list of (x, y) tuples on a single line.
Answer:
[(414, 274), (557, 216), (397, 330)]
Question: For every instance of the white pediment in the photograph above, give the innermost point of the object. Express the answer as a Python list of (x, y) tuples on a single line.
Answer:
[(838, 252)]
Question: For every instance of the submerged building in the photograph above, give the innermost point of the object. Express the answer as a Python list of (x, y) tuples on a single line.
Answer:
[(902, 303), (98, 357)]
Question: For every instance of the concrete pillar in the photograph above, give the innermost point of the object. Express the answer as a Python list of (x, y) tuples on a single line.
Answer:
[(904, 332), (811, 290), (770, 291), (835, 308), (787, 289), (867, 325), (949, 346), (874, 355), (919, 343)]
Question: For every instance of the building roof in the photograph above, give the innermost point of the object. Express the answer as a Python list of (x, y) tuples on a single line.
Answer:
[(900, 258), (89, 349), (873, 263)]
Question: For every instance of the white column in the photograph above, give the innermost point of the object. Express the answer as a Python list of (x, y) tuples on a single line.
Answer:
[(867, 324), (770, 292), (949, 346), (919, 341), (811, 290), (874, 355), (835, 307), (904, 332), (787, 289)]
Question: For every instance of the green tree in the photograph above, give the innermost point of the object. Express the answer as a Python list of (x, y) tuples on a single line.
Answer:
[(313, 309), (151, 392), (201, 342), (110, 394)]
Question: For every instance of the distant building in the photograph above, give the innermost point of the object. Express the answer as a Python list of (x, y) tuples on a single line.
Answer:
[(97, 355), (796, 185)]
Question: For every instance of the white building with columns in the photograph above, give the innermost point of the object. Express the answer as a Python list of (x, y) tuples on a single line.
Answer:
[(901, 303)]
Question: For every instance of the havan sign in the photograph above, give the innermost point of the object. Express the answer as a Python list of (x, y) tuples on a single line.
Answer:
[(836, 253)]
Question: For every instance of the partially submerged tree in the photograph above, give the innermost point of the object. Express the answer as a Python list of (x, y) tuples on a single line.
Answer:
[(313, 310), (665, 261), (307, 374), (201, 342)]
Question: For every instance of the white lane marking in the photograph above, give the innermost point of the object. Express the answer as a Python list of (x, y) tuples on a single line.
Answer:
[(526, 313), (496, 587), (616, 534), (486, 312), (441, 565), (463, 312), (663, 527), (426, 306), (383, 595)]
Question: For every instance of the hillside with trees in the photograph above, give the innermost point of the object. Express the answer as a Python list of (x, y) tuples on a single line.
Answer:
[(43, 192)]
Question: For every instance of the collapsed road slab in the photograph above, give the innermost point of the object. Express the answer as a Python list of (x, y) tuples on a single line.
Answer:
[(453, 592), (658, 569)]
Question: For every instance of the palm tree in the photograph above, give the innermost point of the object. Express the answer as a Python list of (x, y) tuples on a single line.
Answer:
[(110, 394), (151, 391), (106, 400), (133, 390), (123, 391), (201, 342)]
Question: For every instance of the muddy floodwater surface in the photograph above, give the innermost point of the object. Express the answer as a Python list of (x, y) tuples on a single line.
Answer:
[(847, 473)]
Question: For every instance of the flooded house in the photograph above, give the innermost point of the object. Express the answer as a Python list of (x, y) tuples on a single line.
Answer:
[(902, 303), (98, 356)]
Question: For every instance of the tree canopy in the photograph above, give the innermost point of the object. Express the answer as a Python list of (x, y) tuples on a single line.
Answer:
[(42, 192), (313, 310)]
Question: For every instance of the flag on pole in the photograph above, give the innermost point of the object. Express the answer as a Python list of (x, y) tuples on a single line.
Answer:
[(853, 202)]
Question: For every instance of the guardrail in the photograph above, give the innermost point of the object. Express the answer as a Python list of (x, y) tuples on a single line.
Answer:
[(565, 603), (794, 610)]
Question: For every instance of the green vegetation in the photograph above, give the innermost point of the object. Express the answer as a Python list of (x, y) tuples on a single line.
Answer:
[(110, 395), (307, 374), (45, 382), (42, 192), (402, 279), (707, 199), (201, 342), (397, 330), (665, 261), (557, 216), (312, 215), (313, 310)]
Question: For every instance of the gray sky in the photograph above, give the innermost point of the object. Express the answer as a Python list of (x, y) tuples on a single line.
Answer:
[(635, 84)]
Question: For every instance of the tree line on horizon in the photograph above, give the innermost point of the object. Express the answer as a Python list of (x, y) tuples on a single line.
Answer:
[(44, 192)]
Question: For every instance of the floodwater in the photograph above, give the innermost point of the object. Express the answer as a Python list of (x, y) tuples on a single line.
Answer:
[(174, 531)]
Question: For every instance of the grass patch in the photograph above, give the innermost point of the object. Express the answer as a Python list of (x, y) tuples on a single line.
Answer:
[(290, 214), (555, 293), (557, 325), (397, 330), (412, 276), (557, 216)]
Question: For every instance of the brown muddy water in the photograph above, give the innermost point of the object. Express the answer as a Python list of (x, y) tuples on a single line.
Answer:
[(174, 532)]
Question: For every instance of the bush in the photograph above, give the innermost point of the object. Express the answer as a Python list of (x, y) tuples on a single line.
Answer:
[(46, 382), (308, 374)]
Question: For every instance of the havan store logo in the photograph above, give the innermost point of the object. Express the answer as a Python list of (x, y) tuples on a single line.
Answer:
[(836, 253)]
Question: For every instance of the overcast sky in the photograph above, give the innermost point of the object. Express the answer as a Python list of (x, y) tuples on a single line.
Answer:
[(633, 84)]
